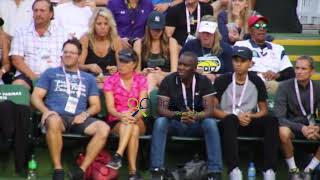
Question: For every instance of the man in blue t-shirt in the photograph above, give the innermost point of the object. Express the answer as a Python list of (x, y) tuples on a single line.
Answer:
[(67, 98)]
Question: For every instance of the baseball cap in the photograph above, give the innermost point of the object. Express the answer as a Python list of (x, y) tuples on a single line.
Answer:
[(1, 21), (253, 19), (242, 52), (156, 20), (127, 55), (208, 26)]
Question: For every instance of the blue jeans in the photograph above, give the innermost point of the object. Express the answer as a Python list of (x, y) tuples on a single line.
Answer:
[(206, 127)]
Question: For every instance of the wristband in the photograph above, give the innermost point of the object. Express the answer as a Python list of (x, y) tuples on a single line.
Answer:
[(177, 115)]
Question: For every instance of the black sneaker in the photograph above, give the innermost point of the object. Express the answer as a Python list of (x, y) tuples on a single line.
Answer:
[(214, 176), (135, 176), (157, 174), (294, 174), (76, 174), (58, 174), (115, 162)]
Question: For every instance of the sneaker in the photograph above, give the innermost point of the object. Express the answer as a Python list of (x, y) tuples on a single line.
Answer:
[(307, 175), (269, 175), (157, 174), (294, 174), (76, 174), (235, 174), (115, 162), (135, 176), (214, 176), (58, 174)]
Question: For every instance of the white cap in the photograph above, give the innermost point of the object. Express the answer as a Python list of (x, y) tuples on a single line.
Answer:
[(208, 26)]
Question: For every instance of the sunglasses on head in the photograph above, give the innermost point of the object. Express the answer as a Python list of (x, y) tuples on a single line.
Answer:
[(258, 26)]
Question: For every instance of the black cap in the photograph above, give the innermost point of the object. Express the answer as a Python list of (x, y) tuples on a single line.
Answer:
[(156, 20), (242, 52), (127, 55), (1, 21)]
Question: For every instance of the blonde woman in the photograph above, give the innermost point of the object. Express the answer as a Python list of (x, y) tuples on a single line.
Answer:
[(233, 23), (100, 45), (214, 56), (157, 52)]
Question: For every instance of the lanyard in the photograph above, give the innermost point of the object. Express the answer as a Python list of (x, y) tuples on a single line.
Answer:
[(299, 98), (234, 92), (184, 92), (68, 83), (188, 19)]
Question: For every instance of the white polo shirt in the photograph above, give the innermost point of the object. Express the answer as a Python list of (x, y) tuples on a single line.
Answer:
[(15, 16), (272, 57)]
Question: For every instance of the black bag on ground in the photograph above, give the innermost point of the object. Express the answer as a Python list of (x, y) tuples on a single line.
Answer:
[(195, 169)]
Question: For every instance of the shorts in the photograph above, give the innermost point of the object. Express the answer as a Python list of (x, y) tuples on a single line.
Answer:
[(25, 79)]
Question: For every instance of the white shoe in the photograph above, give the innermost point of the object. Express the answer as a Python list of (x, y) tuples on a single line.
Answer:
[(269, 175), (235, 174)]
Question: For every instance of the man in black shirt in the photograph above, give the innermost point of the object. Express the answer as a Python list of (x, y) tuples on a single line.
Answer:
[(185, 106), (178, 17)]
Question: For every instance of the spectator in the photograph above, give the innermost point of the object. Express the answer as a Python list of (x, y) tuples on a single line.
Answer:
[(158, 54), (233, 23), (100, 45), (163, 5), (92, 3), (185, 108), (74, 17), (120, 89), (131, 17), (239, 95), (295, 106), (4, 52), (214, 56), (16, 14), (67, 98), (271, 62), (182, 20), (37, 46), (219, 6)]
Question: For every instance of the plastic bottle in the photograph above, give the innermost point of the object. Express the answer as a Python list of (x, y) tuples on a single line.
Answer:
[(32, 169), (251, 171)]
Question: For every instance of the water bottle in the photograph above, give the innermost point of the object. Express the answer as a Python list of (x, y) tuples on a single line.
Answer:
[(32, 169), (251, 171)]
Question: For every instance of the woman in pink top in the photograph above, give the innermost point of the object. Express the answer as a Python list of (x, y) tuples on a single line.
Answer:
[(119, 88)]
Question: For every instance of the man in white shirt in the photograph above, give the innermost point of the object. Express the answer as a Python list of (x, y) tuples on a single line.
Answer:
[(37, 47), (15, 13), (74, 17)]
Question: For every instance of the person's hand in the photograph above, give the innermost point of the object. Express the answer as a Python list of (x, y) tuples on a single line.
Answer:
[(270, 75), (314, 132), (100, 78), (162, 7), (233, 35), (127, 118), (307, 131), (146, 71), (188, 117), (244, 119), (94, 68), (112, 69), (156, 70), (80, 118), (91, 3), (46, 115), (125, 43)]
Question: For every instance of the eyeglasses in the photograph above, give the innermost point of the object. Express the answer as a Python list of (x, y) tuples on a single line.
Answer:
[(258, 26)]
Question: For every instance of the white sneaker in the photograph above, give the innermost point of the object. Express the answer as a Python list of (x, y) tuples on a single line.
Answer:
[(235, 174), (269, 175)]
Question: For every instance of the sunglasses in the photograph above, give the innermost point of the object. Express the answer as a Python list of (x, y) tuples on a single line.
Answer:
[(258, 26)]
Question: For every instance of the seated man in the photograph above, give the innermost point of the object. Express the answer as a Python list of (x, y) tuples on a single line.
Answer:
[(295, 105), (62, 95), (185, 106), (37, 46), (240, 95), (271, 62)]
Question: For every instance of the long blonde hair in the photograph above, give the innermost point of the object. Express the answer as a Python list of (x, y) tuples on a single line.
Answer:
[(245, 15), (216, 48), (112, 35), (147, 42)]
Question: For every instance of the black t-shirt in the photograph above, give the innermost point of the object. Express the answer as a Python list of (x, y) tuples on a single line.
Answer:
[(171, 87), (176, 17)]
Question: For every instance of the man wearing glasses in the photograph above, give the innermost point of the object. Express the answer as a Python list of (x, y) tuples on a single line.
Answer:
[(271, 62)]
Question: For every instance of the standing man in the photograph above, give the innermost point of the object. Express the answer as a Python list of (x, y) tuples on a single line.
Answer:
[(185, 104), (240, 95), (296, 102), (183, 20), (37, 47), (67, 99), (163, 5), (271, 62)]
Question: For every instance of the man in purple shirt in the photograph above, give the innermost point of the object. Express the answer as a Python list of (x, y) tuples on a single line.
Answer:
[(131, 17)]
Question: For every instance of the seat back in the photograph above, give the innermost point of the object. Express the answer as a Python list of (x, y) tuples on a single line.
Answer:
[(15, 93)]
